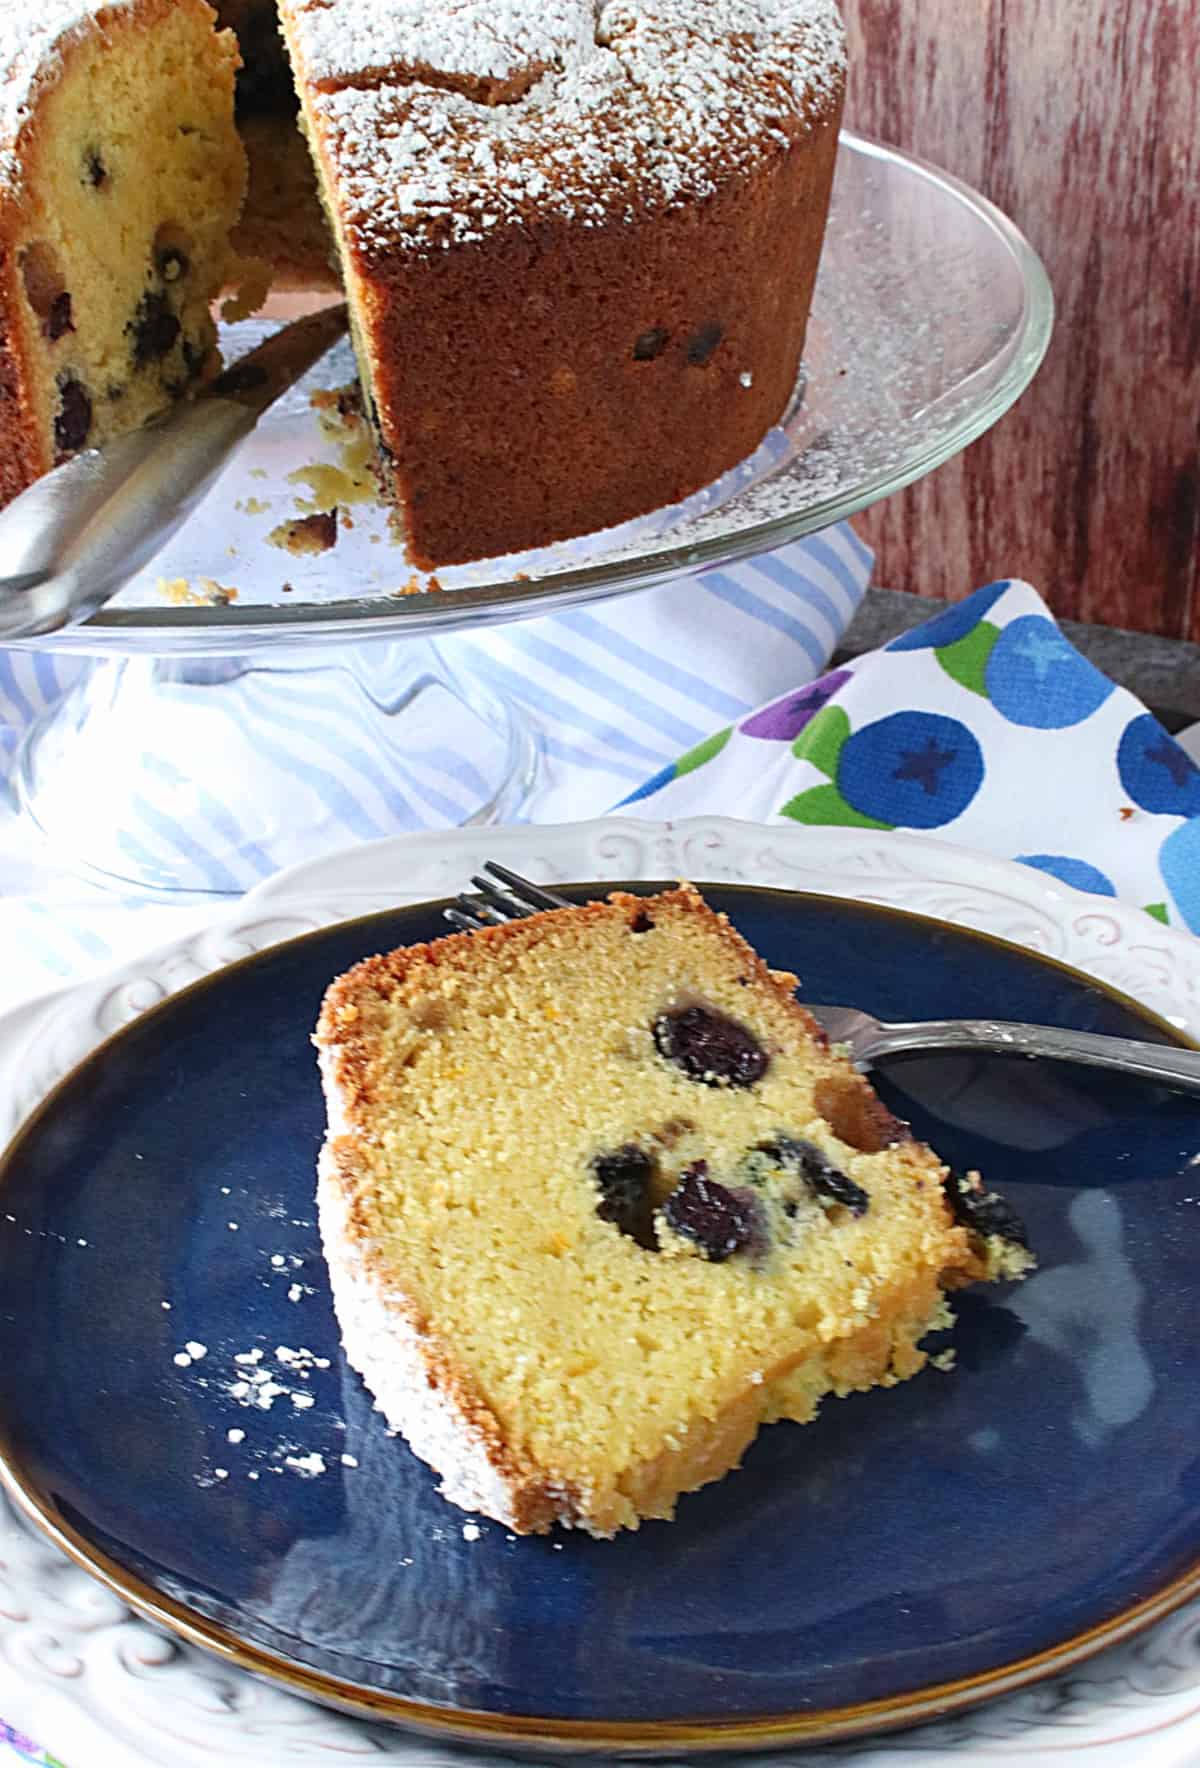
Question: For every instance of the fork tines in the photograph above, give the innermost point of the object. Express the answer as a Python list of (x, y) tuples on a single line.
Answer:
[(493, 906), (524, 890)]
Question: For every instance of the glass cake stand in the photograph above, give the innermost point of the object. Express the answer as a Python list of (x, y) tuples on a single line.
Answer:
[(932, 313)]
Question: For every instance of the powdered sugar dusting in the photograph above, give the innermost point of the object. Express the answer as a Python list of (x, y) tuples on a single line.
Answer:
[(259, 1381), (346, 42), (634, 105)]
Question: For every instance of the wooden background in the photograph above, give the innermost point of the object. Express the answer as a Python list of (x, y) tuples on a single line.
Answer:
[(1081, 119)]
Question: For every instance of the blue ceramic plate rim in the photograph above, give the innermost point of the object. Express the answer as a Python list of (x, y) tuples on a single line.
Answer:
[(641, 1737)]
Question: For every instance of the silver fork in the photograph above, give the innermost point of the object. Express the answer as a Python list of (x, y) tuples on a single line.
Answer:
[(503, 895)]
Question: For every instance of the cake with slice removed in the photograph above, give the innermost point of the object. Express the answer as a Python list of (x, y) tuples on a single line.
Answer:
[(598, 1201), (579, 241)]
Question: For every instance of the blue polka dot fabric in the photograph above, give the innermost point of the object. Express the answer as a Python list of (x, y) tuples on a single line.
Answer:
[(984, 726)]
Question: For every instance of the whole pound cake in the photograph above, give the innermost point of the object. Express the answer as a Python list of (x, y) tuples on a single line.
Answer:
[(598, 1200), (121, 176), (579, 242)]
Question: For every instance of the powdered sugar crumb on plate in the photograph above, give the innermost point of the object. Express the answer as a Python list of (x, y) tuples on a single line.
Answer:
[(307, 1466)]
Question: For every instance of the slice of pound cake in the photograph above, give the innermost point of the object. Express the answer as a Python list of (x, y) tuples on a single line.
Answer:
[(121, 176), (598, 1200)]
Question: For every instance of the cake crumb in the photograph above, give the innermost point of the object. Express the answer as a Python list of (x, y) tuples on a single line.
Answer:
[(472, 1531), (179, 592), (176, 590), (307, 1466), (253, 285), (307, 534), (337, 486)]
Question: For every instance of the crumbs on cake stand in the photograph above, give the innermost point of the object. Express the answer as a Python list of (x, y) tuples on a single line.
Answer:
[(334, 487), (415, 584), (306, 535), (206, 592)]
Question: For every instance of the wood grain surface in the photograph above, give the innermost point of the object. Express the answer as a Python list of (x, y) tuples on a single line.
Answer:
[(1081, 119)]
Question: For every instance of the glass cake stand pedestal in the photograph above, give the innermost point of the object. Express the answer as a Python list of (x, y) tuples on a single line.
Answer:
[(237, 708)]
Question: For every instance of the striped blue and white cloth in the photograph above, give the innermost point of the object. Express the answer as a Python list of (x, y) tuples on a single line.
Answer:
[(221, 775)]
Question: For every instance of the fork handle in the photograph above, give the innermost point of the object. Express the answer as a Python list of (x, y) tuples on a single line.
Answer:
[(1154, 1062)]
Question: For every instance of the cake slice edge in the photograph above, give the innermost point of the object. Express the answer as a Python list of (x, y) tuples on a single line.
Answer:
[(408, 1370)]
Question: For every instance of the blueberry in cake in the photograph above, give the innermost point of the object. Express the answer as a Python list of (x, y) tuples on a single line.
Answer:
[(579, 240), (598, 1201), (121, 176)]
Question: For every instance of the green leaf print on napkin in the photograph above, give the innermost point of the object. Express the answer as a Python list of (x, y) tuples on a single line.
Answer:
[(966, 660), (705, 751), (825, 804), (822, 739), (820, 743)]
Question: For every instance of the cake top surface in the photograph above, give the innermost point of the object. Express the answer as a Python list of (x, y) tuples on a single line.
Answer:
[(480, 39), (446, 124)]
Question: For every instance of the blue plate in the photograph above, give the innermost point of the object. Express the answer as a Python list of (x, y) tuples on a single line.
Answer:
[(911, 1550)]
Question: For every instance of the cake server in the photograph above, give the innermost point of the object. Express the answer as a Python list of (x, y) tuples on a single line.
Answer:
[(76, 535), (505, 896)]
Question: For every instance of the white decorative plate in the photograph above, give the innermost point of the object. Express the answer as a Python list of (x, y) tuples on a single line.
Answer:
[(101, 1689)]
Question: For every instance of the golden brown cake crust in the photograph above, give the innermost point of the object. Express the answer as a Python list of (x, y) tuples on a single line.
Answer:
[(580, 260), (22, 456), (582, 433)]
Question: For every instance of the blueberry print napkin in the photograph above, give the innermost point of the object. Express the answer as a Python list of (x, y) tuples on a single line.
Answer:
[(985, 727)]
